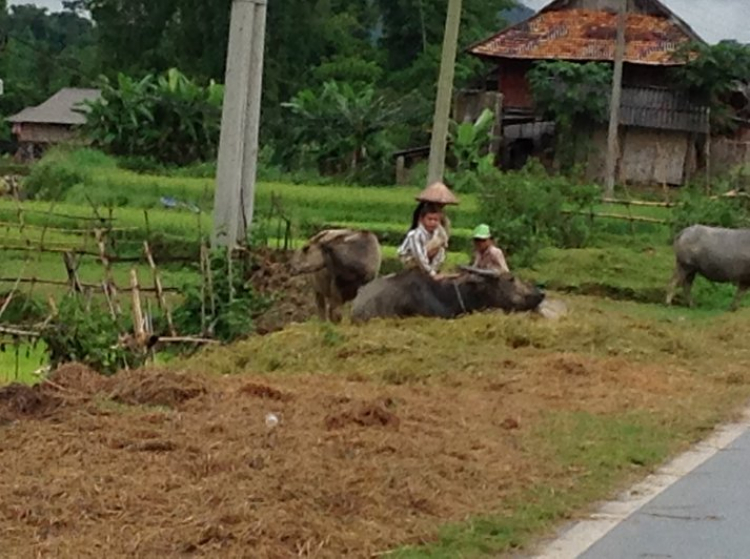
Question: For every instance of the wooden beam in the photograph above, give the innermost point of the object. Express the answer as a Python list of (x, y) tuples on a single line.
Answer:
[(613, 147)]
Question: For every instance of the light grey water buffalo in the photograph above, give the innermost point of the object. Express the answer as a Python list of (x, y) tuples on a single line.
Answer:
[(414, 293), (718, 254), (340, 261)]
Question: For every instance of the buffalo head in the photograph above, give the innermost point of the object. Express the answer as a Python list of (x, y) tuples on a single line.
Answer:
[(503, 290)]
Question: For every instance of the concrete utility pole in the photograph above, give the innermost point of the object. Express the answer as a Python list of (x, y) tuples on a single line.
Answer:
[(240, 120), (444, 93), (613, 147)]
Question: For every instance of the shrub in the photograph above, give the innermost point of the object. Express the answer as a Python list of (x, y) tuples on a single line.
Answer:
[(60, 170), (526, 211), (229, 311), (697, 208), (88, 334), (168, 118)]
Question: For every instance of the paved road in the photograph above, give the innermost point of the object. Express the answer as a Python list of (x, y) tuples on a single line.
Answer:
[(704, 515)]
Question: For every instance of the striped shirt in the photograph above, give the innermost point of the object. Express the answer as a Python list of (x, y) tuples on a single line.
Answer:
[(413, 251)]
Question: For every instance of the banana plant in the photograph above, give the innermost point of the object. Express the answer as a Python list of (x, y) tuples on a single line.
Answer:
[(470, 141)]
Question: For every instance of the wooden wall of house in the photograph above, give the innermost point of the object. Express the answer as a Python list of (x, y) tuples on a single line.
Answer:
[(648, 157), (513, 84), (45, 133), (646, 75)]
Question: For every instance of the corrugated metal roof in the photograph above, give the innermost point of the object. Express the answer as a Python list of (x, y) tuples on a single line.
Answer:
[(587, 35), (58, 109), (663, 109)]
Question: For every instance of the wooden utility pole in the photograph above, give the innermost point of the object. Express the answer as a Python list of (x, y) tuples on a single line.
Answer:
[(238, 145), (444, 93), (613, 148)]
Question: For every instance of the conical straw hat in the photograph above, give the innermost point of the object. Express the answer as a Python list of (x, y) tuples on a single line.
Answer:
[(437, 193)]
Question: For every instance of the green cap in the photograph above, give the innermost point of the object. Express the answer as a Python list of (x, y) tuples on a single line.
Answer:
[(482, 232)]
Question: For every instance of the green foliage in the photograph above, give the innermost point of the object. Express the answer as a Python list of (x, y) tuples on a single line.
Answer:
[(62, 169), (340, 126), (711, 72), (88, 334), (697, 208), (224, 310), (525, 211), (169, 118), (391, 46), (576, 97), (570, 92), (23, 309), (470, 141)]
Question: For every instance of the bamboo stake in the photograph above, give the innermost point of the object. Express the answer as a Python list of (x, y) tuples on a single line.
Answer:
[(138, 323), (617, 216), (204, 274), (72, 230), (19, 333), (188, 340), (110, 303), (84, 286), (639, 203), (159, 289), (230, 279), (71, 268), (10, 296), (109, 282)]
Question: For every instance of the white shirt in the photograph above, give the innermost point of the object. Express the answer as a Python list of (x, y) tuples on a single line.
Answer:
[(414, 250)]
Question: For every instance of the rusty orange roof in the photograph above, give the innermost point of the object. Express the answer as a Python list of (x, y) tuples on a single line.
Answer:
[(587, 35)]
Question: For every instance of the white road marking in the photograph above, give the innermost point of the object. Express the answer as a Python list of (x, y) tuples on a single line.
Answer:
[(576, 539)]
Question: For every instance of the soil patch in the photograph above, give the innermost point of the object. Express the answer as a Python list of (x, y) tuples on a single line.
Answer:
[(265, 392), (21, 401), (348, 469), (365, 414), (291, 294), (149, 387)]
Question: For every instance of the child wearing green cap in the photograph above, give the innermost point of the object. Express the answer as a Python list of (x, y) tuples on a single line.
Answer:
[(486, 255)]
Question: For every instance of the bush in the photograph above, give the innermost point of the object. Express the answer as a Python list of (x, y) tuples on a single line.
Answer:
[(89, 335), (526, 211), (23, 309), (60, 170), (229, 315), (697, 208)]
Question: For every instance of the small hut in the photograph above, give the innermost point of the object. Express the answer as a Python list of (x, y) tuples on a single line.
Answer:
[(52, 122)]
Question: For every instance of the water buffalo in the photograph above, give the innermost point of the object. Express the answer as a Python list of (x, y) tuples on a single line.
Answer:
[(340, 261), (720, 255), (414, 293)]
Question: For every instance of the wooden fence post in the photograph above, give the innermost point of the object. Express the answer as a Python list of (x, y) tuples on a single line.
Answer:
[(138, 324), (159, 289)]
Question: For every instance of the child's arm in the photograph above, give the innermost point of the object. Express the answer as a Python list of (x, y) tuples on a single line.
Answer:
[(500, 260), (438, 260)]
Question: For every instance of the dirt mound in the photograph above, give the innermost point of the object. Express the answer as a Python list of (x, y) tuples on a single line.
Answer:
[(155, 388), (365, 414), (291, 294), (74, 377), (19, 401), (265, 392)]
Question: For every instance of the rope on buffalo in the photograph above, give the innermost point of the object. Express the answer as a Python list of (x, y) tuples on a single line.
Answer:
[(460, 299)]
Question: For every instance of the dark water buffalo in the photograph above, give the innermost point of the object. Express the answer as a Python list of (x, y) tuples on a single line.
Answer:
[(720, 255), (340, 261), (414, 293)]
